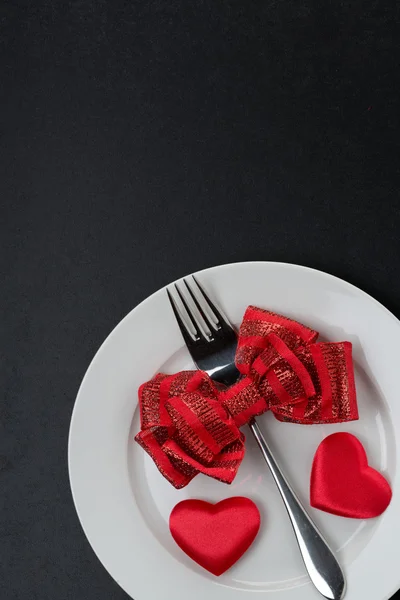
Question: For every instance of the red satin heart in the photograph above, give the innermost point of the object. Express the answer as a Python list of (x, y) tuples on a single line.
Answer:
[(343, 484), (215, 535)]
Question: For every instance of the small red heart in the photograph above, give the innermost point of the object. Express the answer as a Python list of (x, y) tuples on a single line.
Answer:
[(215, 535), (343, 484)]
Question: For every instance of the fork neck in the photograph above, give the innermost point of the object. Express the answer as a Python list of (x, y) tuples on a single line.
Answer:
[(225, 374)]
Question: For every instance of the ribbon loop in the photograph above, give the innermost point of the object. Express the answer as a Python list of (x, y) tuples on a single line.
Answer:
[(191, 426)]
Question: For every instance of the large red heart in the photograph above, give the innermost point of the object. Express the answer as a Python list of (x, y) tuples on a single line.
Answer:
[(215, 535), (342, 483)]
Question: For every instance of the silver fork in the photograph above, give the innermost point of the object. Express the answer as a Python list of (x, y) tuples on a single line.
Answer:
[(211, 341)]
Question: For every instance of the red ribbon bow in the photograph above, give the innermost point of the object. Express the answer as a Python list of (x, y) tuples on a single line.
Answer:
[(190, 426)]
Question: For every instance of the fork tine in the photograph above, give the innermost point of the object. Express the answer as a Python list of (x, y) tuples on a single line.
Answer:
[(209, 323), (220, 318), (187, 334), (188, 310)]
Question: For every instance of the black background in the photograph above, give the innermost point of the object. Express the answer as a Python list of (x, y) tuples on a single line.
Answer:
[(141, 141)]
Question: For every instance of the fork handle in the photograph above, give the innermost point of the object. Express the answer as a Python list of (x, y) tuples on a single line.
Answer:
[(320, 561)]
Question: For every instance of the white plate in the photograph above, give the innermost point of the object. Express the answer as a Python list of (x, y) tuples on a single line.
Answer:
[(124, 503)]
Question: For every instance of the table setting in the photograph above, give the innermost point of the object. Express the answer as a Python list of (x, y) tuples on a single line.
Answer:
[(270, 468), (200, 300)]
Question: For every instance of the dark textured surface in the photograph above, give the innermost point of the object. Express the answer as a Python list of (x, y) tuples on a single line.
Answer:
[(128, 132)]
